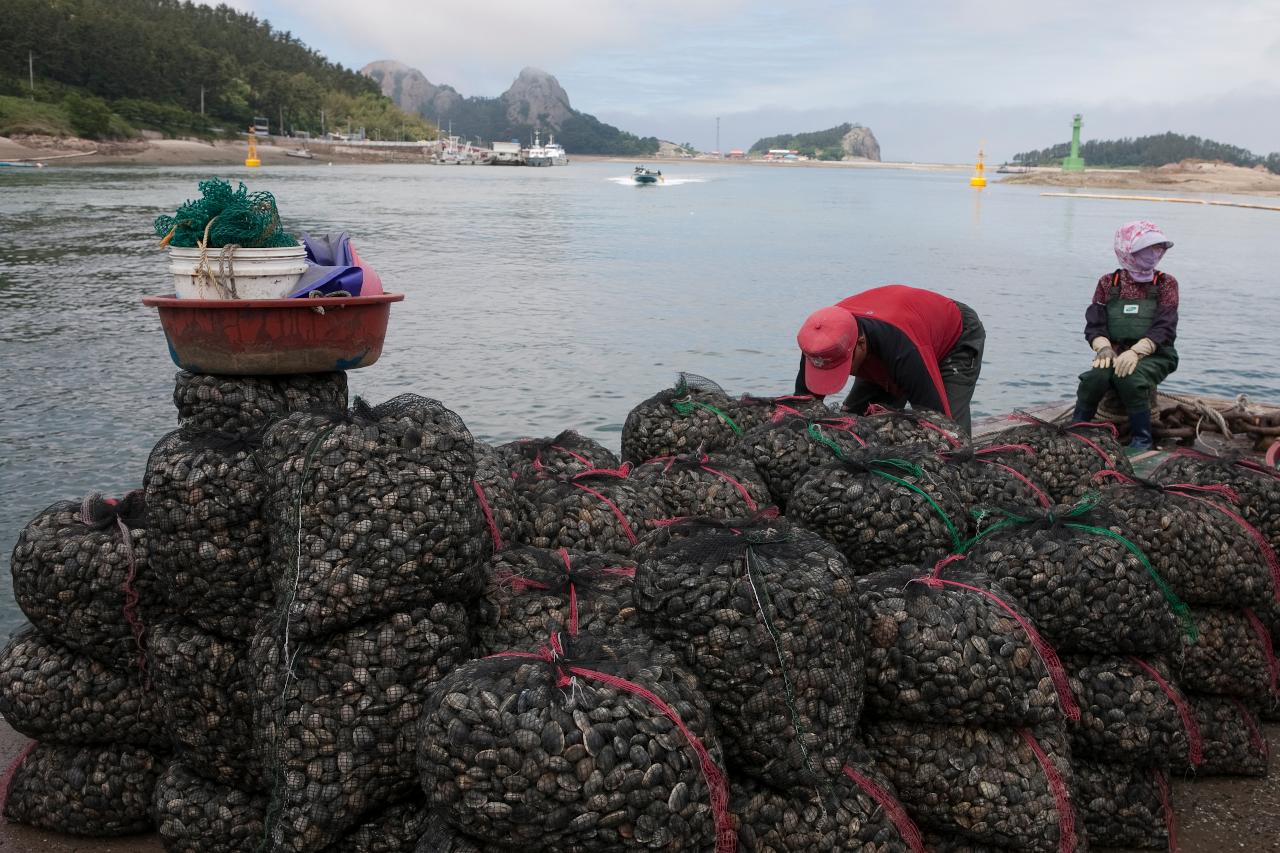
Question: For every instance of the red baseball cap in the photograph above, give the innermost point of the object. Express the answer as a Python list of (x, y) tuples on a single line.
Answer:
[(828, 339)]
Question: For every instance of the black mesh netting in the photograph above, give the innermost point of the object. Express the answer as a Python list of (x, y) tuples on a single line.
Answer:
[(1269, 615), (1257, 487), (883, 507), (765, 617), (534, 591), (1131, 712), (785, 450), (950, 647), (1066, 458), (902, 428), (394, 829), (604, 510), (80, 573), (750, 412), (55, 695), (1086, 586), (704, 485), (207, 702), (570, 749), (331, 714), (852, 807), (991, 477), (194, 814), (371, 511), (690, 417), (941, 842), (439, 837), (249, 404), (565, 454), (1122, 806), (209, 549), (496, 492), (1232, 656), (1234, 743), (83, 790), (1004, 786), (1198, 541)]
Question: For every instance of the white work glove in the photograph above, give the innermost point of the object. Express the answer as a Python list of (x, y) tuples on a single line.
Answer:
[(1104, 353), (1127, 361)]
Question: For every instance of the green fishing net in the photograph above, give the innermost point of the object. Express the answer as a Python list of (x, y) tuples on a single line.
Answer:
[(232, 217)]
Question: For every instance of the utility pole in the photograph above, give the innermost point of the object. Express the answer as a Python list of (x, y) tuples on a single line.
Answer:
[(282, 120), (202, 100), (718, 136), (322, 121), (31, 73)]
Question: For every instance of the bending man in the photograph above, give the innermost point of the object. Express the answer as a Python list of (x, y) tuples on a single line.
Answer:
[(901, 344)]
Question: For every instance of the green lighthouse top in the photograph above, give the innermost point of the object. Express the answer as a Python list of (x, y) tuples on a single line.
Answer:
[(1074, 162)]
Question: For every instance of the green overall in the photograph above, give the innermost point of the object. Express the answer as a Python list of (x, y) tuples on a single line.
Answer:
[(1128, 321)]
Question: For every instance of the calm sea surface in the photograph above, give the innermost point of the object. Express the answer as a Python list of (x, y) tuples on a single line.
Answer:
[(540, 299)]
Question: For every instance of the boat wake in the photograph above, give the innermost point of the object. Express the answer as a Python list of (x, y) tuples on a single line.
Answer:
[(627, 181)]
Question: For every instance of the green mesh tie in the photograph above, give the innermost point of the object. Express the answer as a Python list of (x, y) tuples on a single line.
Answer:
[(957, 544), (686, 406), (815, 433)]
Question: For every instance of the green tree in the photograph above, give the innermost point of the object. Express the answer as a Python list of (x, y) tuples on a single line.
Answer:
[(90, 117)]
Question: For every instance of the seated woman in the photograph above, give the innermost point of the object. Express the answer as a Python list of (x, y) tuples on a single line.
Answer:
[(1131, 326)]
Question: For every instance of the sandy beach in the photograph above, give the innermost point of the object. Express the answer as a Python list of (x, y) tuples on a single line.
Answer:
[(69, 151), (1189, 176)]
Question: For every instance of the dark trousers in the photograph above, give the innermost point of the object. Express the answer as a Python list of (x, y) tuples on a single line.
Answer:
[(960, 369), (1133, 390)]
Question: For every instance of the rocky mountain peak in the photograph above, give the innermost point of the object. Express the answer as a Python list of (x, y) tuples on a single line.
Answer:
[(537, 98)]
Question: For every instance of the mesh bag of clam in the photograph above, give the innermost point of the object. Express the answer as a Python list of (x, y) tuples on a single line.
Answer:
[(58, 696), (785, 450), (597, 510), (209, 546), (1066, 458), (1122, 806), (1232, 656), (1257, 486), (883, 507), (563, 455), (194, 814), (1197, 540), (334, 718), (80, 573), (100, 791), (903, 428), (571, 748), (948, 646), (1131, 712), (371, 511), (1234, 743), (534, 591), (1011, 787), (765, 617), (439, 837), (248, 404), (394, 829), (206, 692), (1086, 586), (990, 477), (750, 412), (704, 485), (852, 807), (692, 416), (496, 492)]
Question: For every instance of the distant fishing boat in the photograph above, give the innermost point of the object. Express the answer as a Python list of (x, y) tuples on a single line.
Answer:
[(20, 165), (643, 176), (555, 152), (301, 153), (537, 154)]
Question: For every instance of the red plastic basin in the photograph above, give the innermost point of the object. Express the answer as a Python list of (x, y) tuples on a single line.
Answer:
[(272, 336)]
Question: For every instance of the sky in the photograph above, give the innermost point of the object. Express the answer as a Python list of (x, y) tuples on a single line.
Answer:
[(933, 79)]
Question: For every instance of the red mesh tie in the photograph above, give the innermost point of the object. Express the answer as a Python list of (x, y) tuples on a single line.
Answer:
[(1264, 639), (1166, 805), (573, 592), (622, 519), (741, 489), (1028, 419), (7, 782), (488, 515), (1247, 464), (1195, 744), (906, 826), (877, 409), (1066, 817), (1047, 655), (131, 599), (1005, 448), (1255, 736), (1041, 498), (1264, 545)]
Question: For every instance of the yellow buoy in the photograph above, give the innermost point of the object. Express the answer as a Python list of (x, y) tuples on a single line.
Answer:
[(252, 160), (979, 179)]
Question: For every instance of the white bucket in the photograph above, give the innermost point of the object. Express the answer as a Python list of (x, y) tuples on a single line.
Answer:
[(245, 273)]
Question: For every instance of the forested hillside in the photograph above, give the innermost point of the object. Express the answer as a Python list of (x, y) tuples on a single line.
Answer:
[(105, 67), (1150, 151)]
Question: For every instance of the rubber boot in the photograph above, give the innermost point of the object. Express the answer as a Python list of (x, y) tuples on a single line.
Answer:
[(1140, 431), (1082, 414)]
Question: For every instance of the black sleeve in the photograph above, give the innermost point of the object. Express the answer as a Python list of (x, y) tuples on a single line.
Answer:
[(863, 394), (801, 388), (1095, 322), (903, 362)]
